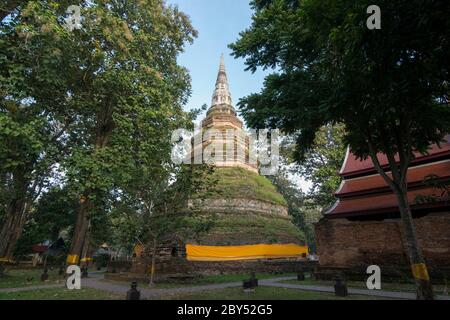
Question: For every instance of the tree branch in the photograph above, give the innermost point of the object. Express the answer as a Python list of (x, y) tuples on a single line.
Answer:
[(376, 163)]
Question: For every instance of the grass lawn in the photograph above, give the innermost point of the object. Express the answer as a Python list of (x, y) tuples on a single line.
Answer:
[(61, 294), (265, 293), (17, 278), (238, 277)]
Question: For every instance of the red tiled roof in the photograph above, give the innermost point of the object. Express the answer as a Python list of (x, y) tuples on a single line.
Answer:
[(363, 191), (374, 183), (39, 248), (353, 166), (379, 203)]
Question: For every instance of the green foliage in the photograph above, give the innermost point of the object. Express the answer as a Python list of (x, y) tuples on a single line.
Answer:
[(157, 209), (54, 213), (389, 87), (34, 107), (32, 103), (320, 164), (136, 89), (303, 211), (94, 106), (441, 190), (134, 100)]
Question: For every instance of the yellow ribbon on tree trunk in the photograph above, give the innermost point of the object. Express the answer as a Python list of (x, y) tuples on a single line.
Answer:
[(72, 259), (420, 272)]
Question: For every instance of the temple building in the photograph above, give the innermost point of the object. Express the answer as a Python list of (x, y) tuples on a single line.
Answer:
[(252, 230), (364, 226)]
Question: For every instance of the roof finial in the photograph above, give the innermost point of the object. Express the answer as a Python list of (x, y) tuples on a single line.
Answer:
[(221, 93), (222, 63)]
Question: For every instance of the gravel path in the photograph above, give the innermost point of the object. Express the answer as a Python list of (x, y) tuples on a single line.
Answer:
[(351, 291)]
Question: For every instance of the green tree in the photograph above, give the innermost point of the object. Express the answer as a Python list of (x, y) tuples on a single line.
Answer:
[(54, 213), (35, 111), (152, 198), (320, 164), (160, 208), (303, 211), (389, 87), (127, 55)]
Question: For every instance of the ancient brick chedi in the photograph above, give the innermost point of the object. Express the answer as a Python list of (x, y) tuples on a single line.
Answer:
[(364, 226), (222, 141), (252, 230)]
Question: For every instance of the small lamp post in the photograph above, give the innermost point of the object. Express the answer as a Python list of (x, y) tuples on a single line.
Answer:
[(44, 276), (133, 293), (253, 280), (61, 270), (340, 288), (84, 272)]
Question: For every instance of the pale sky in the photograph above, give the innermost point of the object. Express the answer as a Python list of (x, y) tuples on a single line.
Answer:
[(218, 23)]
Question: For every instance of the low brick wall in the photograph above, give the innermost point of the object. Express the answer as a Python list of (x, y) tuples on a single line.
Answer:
[(351, 244), (181, 267)]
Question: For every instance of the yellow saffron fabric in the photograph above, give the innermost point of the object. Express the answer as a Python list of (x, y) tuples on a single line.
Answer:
[(420, 271), (86, 259), (138, 249), (72, 259), (245, 252)]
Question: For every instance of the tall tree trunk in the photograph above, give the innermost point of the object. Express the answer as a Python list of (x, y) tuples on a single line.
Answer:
[(86, 248), (79, 233), (12, 228), (105, 126), (418, 266), (399, 185), (24, 192), (153, 270)]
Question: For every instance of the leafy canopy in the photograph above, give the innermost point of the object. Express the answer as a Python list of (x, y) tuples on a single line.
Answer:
[(389, 87)]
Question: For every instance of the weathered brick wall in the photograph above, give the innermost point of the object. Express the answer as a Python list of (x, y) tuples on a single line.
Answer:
[(343, 243), (180, 266), (243, 206)]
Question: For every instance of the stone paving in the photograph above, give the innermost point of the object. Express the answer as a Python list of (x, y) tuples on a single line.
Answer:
[(351, 291)]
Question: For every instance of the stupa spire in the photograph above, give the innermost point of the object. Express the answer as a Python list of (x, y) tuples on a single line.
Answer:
[(221, 93)]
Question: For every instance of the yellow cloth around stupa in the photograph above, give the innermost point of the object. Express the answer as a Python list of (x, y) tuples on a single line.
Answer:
[(244, 252)]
